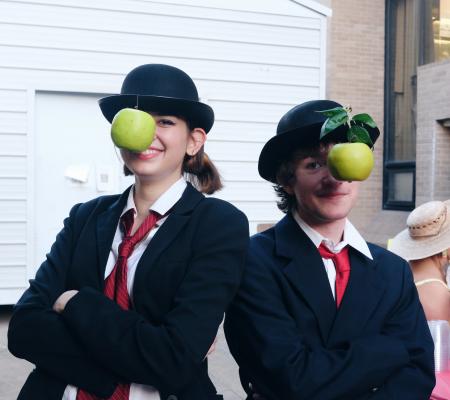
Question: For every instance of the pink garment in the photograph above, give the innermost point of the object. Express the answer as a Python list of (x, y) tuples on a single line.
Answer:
[(442, 389)]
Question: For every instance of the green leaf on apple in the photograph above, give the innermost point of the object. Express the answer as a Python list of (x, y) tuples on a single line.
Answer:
[(333, 123), (365, 119), (359, 134), (332, 111), (357, 124)]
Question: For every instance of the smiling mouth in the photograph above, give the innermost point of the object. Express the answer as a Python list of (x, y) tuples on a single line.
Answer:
[(332, 194), (148, 154), (151, 150)]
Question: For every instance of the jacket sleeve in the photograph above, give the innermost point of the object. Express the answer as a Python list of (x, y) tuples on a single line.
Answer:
[(168, 355), (39, 335), (407, 323), (271, 351)]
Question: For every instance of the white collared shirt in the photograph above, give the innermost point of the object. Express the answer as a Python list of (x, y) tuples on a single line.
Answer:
[(351, 237), (164, 203)]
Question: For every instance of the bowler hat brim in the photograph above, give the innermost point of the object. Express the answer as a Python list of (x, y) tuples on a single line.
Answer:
[(280, 147), (199, 114)]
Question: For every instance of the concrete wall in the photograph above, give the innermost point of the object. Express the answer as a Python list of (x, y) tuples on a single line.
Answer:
[(433, 139)]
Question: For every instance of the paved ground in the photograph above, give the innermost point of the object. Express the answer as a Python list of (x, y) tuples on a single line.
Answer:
[(13, 371)]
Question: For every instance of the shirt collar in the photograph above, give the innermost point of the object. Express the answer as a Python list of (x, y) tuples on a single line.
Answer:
[(164, 202), (351, 237)]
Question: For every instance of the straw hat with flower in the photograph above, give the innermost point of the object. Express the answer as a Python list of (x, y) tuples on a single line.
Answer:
[(427, 233)]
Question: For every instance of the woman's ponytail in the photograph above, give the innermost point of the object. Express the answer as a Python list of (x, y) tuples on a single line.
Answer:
[(202, 172)]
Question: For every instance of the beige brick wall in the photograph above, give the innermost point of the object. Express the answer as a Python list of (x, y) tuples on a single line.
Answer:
[(433, 140), (355, 76)]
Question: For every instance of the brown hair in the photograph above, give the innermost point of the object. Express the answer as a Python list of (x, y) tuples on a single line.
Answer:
[(286, 174), (201, 172), (285, 177), (198, 169)]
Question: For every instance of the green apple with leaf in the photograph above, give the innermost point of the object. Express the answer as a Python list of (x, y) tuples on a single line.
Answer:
[(133, 129), (352, 161)]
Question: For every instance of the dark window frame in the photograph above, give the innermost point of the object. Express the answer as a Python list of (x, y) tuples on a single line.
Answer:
[(400, 167), (392, 166)]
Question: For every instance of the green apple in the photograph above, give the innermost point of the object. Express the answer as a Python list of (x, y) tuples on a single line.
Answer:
[(350, 161), (132, 129)]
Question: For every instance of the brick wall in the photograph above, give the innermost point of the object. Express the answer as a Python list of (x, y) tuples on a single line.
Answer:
[(355, 76)]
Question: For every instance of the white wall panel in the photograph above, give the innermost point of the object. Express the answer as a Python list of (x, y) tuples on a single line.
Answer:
[(11, 295), (13, 122), (246, 191), (12, 254), (115, 39), (239, 91), (68, 12), (65, 60), (13, 210), (250, 111), (231, 151), (13, 144), (13, 276), (13, 188), (164, 46), (13, 232), (13, 100), (238, 171), (13, 166), (71, 81), (241, 131), (260, 210)]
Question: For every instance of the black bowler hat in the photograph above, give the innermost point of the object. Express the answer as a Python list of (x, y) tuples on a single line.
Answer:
[(160, 88), (300, 128)]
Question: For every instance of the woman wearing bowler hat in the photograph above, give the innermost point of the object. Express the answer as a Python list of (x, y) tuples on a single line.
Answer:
[(128, 302)]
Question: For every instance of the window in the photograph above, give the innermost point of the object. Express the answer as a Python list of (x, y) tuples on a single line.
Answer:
[(417, 32)]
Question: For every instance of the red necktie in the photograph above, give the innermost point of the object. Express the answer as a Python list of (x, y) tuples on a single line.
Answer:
[(116, 282), (342, 264)]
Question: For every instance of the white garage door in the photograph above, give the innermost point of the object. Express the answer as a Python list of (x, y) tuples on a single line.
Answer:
[(74, 160)]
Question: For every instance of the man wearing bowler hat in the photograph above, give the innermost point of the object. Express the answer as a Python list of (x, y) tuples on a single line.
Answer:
[(322, 314)]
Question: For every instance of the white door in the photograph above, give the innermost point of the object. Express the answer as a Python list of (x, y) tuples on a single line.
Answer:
[(74, 161)]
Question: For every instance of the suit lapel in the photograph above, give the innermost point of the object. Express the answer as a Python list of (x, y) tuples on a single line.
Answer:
[(362, 295), (305, 272), (106, 229), (177, 219)]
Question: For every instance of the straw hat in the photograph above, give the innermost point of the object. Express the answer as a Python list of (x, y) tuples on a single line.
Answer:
[(428, 232)]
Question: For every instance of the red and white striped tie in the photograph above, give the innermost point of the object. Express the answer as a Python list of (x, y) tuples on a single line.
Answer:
[(116, 282)]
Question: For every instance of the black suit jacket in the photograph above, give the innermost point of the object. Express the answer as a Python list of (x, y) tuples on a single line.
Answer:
[(184, 281), (292, 343)]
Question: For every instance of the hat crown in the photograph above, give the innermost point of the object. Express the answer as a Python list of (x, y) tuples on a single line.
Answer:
[(160, 80), (428, 219), (305, 114)]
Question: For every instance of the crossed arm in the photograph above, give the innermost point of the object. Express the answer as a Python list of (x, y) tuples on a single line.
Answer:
[(123, 345), (41, 336)]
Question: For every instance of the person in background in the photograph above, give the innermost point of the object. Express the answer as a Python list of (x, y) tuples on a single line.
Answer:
[(425, 243), (321, 314), (129, 300)]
